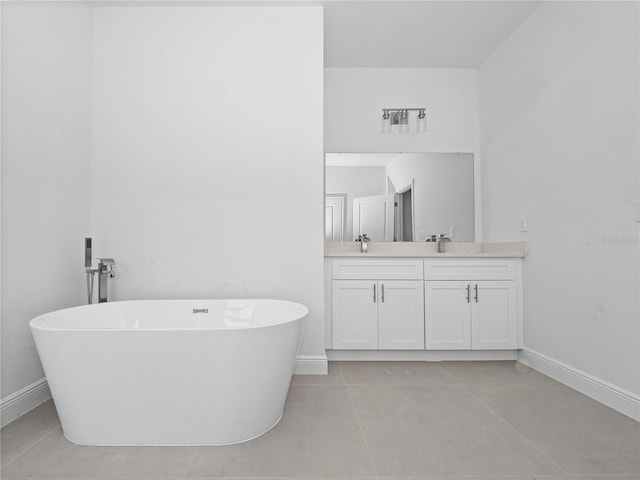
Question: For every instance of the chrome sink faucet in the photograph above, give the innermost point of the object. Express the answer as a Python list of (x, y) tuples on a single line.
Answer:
[(440, 240), (364, 242)]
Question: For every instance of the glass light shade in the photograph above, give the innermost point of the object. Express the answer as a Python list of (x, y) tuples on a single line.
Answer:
[(404, 128), (421, 125), (386, 125)]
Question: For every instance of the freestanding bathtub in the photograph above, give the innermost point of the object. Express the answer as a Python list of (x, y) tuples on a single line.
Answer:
[(169, 372)]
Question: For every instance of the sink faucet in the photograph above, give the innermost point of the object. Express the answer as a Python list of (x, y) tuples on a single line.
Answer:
[(105, 271), (364, 242), (440, 240)]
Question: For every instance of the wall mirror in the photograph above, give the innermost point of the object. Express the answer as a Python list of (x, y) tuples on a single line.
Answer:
[(399, 196)]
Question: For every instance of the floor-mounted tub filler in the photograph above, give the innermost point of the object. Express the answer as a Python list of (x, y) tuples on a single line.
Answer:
[(170, 372)]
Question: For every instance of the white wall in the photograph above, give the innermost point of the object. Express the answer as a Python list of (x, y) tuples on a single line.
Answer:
[(207, 167), (559, 111), (46, 74), (355, 182), (355, 97)]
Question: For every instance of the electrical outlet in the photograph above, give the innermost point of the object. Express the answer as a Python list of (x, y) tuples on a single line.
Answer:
[(524, 226)]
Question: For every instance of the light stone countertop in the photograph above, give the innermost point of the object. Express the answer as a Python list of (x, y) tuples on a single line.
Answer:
[(426, 249)]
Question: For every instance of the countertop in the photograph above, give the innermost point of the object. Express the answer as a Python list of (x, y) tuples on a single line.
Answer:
[(426, 249)]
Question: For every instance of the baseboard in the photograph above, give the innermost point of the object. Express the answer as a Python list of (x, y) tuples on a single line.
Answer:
[(311, 365), (420, 355), (19, 403), (604, 392)]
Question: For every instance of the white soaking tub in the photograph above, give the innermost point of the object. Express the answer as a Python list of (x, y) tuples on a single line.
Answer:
[(169, 372)]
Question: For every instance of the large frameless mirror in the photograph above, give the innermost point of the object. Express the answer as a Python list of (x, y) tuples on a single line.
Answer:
[(399, 196)]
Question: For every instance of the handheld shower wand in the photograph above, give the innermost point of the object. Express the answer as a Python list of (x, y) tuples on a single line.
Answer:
[(87, 266)]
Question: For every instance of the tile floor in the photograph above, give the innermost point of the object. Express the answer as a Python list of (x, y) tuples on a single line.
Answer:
[(368, 420)]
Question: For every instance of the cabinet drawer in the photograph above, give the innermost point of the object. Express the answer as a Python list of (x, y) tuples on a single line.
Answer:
[(470, 269), (359, 269)]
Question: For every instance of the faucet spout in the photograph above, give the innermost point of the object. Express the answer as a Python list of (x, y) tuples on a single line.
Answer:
[(442, 238), (364, 245)]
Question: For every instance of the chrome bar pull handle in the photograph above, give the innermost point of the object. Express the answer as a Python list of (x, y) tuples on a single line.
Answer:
[(382, 293), (468, 293), (374, 293), (476, 290)]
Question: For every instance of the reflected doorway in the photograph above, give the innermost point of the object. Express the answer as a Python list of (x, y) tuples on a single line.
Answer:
[(404, 215)]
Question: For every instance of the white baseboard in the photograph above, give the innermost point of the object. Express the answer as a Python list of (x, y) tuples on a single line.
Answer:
[(311, 365), (19, 403), (604, 392), (420, 355)]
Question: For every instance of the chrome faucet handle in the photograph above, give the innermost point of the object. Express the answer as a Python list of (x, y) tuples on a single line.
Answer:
[(107, 265), (365, 238)]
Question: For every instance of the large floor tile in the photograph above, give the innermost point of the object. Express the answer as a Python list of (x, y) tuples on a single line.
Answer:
[(605, 477), (333, 378), (580, 434), (20, 434), (508, 477), (290, 478), (394, 373), (317, 436), (55, 456), (492, 372), (441, 430)]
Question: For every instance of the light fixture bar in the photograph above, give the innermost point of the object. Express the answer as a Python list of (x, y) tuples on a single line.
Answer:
[(400, 117), (403, 109)]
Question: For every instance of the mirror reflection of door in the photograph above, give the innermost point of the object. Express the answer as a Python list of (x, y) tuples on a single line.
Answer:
[(374, 216), (334, 218), (404, 215)]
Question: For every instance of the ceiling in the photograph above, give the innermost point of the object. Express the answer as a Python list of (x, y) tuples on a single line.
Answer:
[(418, 34)]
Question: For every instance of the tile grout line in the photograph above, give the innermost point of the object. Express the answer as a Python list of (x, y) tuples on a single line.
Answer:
[(567, 474), (30, 446), (448, 374), (355, 412), (193, 457), (514, 429)]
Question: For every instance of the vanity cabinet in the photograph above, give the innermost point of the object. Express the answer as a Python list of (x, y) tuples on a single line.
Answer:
[(471, 305), (377, 305), (476, 315), (432, 304)]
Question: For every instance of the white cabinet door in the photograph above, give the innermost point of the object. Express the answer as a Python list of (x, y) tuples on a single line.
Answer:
[(493, 315), (354, 314), (401, 315), (447, 315)]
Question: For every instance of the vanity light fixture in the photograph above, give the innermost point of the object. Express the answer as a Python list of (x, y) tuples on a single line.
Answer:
[(400, 117)]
